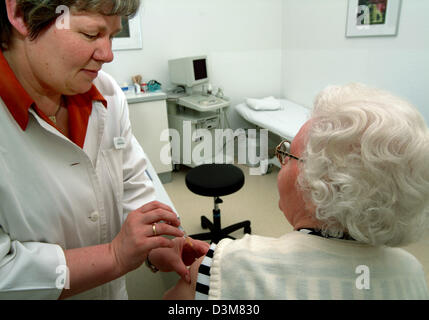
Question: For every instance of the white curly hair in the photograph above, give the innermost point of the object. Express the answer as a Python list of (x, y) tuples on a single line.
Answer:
[(366, 166)]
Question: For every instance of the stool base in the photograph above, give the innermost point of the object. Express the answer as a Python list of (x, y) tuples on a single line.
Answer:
[(216, 233)]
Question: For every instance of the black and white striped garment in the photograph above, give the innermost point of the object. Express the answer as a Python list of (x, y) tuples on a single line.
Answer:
[(203, 279), (315, 232)]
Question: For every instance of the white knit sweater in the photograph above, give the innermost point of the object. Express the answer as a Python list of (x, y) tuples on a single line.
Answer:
[(301, 266)]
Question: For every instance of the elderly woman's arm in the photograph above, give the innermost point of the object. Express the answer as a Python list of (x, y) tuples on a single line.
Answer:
[(184, 290)]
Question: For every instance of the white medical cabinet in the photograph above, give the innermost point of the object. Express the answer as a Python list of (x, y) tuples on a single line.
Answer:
[(148, 116)]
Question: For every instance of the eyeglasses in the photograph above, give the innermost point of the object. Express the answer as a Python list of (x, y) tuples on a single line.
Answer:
[(283, 152)]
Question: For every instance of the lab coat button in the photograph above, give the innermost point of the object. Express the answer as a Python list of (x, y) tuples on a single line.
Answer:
[(94, 216)]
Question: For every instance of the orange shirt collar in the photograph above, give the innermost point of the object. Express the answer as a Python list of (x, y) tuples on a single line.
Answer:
[(18, 100)]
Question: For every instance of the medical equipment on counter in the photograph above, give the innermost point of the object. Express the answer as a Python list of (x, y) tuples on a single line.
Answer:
[(153, 86), (219, 93), (128, 89), (203, 103), (137, 80), (195, 115), (209, 89), (189, 71)]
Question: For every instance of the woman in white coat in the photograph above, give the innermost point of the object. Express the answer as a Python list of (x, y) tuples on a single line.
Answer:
[(77, 210)]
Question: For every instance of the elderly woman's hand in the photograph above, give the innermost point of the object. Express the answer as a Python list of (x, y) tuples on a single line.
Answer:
[(178, 257), (137, 237)]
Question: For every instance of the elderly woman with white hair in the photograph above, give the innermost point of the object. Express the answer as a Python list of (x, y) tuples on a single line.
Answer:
[(354, 184)]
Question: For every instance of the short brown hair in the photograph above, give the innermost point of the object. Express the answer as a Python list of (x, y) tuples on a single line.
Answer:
[(38, 15)]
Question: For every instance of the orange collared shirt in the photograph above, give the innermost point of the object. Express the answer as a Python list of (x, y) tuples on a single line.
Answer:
[(19, 102)]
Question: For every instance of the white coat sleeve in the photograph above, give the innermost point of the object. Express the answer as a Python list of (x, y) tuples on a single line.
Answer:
[(138, 187), (30, 270)]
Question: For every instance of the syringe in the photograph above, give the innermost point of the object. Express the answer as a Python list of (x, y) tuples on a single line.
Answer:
[(185, 235)]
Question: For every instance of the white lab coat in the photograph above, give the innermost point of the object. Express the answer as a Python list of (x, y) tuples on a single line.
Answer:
[(55, 196)]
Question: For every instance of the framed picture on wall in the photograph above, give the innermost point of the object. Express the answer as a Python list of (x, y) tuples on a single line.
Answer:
[(130, 37), (366, 18)]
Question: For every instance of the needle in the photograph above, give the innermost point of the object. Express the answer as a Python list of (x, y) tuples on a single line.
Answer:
[(185, 235)]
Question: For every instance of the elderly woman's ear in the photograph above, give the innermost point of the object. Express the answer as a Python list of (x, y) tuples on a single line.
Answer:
[(16, 18)]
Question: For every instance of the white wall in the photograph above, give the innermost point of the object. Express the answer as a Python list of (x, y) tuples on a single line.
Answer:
[(242, 38), (290, 48), (317, 53)]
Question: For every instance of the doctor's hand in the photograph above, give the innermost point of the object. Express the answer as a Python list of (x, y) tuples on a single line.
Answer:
[(142, 232), (176, 259)]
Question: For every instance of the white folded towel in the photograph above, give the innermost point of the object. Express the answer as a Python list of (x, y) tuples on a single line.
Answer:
[(268, 103)]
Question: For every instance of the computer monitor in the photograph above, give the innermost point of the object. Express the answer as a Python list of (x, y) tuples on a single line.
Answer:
[(189, 71)]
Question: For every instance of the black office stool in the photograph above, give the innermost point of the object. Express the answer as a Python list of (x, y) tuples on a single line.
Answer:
[(215, 180)]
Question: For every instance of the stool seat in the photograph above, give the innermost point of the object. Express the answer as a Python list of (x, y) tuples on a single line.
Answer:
[(215, 180)]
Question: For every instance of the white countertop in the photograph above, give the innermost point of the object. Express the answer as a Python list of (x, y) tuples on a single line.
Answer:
[(147, 96)]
